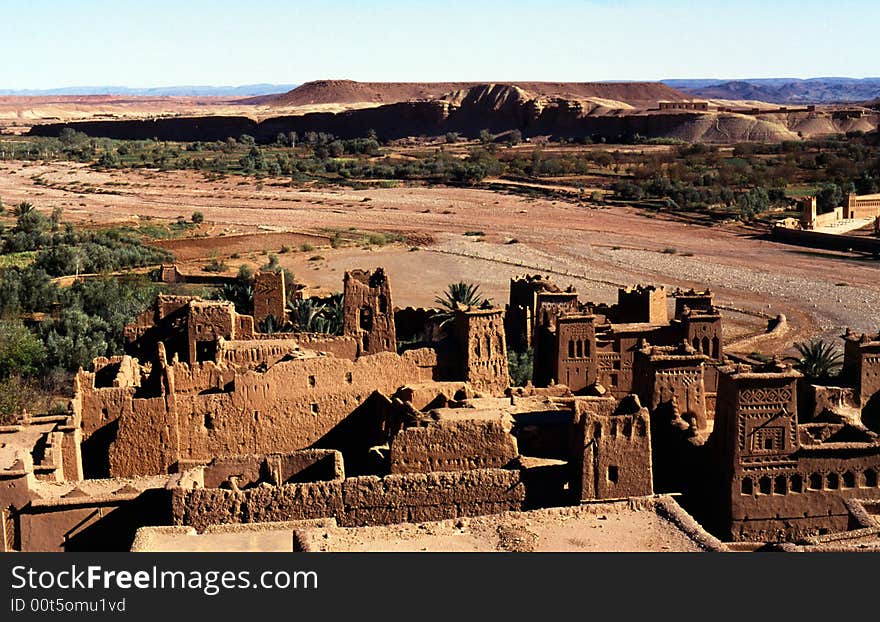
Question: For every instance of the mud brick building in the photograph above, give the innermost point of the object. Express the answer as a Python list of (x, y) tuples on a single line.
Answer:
[(785, 479), (206, 422), (270, 296), (368, 314), (582, 345)]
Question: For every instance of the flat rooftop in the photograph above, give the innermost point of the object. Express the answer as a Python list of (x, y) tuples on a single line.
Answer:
[(647, 524)]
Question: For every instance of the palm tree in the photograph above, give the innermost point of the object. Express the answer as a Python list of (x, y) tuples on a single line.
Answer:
[(457, 295), (818, 359), (24, 208), (269, 325), (333, 317), (307, 314), (240, 294)]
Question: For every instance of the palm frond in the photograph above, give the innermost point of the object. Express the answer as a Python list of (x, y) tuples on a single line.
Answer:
[(818, 359)]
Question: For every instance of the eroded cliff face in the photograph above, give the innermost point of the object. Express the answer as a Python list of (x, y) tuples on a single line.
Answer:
[(498, 108)]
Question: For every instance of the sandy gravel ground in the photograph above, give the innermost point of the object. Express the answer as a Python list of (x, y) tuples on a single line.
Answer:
[(595, 249)]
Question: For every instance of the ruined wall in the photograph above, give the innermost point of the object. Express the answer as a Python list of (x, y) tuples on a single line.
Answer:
[(521, 311), (206, 323), (693, 300), (268, 349), (98, 402), (479, 334), (425, 359), (417, 325), (187, 326), (368, 312), (292, 405), (270, 296), (255, 352), (453, 445), (147, 440), (86, 523), (307, 465), (356, 501), (612, 451)]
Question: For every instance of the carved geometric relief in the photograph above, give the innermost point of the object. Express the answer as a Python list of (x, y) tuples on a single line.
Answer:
[(765, 396)]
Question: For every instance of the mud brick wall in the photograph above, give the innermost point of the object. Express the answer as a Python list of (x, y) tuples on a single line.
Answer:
[(453, 446), (368, 312), (247, 469), (149, 444), (338, 345), (202, 507), (293, 405), (808, 498), (269, 296), (417, 324), (479, 334), (425, 359), (611, 453), (201, 378), (642, 304), (430, 496), (356, 501)]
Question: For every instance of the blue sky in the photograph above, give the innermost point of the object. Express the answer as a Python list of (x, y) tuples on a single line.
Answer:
[(47, 44)]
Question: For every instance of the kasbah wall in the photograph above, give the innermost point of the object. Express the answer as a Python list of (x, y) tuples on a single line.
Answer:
[(256, 395), (206, 420)]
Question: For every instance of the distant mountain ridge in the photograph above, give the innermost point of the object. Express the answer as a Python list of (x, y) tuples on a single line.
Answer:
[(246, 90), (825, 90), (783, 90), (351, 91), (497, 108)]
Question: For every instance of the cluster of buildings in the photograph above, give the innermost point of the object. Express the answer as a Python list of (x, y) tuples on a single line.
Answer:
[(859, 210), (408, 416)]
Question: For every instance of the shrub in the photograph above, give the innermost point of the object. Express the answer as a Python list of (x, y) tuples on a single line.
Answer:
[(216, 265), (21, 352), (519, 365), (17, 395)]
